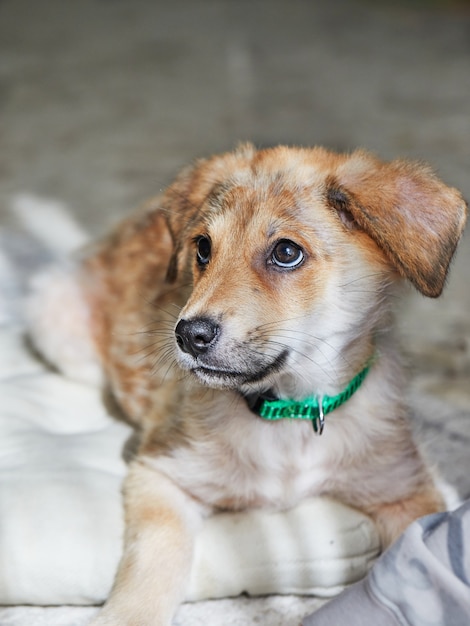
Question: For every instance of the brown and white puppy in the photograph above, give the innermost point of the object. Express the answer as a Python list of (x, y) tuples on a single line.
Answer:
[(259, 271)]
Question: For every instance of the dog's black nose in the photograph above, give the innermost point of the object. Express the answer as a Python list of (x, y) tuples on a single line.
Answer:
[(196, 336)]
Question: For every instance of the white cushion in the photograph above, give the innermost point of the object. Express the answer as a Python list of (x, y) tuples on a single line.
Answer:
[(61, 469)]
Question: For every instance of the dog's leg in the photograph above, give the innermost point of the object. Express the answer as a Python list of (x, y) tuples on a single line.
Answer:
[(161, 521), (394, 517)]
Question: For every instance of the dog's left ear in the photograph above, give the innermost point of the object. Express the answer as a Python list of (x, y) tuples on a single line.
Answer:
[(411, 215)]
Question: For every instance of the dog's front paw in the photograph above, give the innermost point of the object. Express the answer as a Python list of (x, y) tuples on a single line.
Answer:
[(101, 619), (112, 618), (393, 518), (105, 619)]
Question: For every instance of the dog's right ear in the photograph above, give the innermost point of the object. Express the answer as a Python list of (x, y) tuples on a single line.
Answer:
[(411, 215)]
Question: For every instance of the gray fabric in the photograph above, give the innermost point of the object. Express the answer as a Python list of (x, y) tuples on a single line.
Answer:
[(422, 580), (356, 606)]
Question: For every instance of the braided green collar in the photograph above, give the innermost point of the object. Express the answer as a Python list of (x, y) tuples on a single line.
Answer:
[(312, 408)]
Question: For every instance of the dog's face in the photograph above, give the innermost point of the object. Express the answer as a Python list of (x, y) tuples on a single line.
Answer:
[(280, 283), (284, 274)]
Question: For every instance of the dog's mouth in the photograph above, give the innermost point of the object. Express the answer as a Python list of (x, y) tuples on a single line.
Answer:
[(215, 376)]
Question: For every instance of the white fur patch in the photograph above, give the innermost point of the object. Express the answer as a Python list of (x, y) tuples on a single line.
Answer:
[(55, 308), (59, 323)]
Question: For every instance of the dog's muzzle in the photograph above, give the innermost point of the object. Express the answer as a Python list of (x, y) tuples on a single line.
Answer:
[(201, 352)]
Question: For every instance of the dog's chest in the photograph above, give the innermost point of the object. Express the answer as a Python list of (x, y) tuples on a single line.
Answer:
[(250, 463)]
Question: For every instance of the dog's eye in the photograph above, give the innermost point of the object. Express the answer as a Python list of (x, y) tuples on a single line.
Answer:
[(287, 254), (203, 250)]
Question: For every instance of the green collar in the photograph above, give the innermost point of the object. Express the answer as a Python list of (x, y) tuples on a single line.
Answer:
[(312, 408)]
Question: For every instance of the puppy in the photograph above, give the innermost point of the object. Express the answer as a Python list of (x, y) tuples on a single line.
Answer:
[(236, 318)]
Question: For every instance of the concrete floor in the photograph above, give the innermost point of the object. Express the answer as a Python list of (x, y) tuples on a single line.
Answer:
[(102, 101)]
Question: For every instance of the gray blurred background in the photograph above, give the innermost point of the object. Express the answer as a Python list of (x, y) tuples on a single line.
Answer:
[(102, 101)]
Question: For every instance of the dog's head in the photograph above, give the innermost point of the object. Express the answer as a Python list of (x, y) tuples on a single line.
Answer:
[(293, 254)]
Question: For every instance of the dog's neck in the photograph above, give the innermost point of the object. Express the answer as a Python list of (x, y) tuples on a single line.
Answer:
[(314, 408)]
